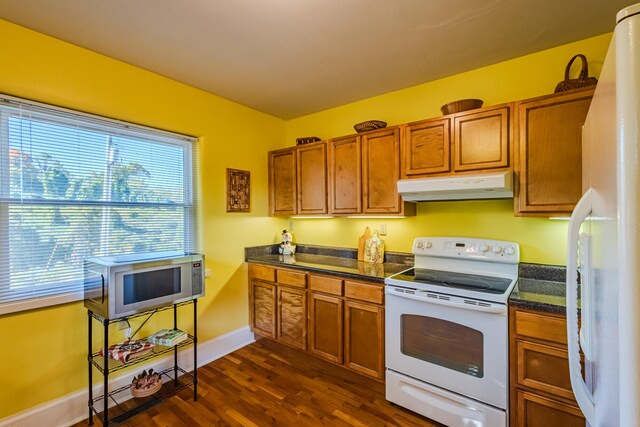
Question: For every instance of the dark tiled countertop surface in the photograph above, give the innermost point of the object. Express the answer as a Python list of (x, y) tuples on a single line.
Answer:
[(330, 260), (540, 287)]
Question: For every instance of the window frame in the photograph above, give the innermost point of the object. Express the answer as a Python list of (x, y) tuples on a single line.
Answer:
[(191, 237)]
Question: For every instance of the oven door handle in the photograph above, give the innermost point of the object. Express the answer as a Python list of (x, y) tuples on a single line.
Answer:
[(486, 307)]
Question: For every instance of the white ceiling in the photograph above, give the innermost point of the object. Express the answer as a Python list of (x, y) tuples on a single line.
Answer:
[(290, 58)]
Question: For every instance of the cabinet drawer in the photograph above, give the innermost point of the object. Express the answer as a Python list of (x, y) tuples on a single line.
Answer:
[(537, 411), (326, 285), (543, 327), (292, 278), (262, 272), (364, 292), (543, 368)]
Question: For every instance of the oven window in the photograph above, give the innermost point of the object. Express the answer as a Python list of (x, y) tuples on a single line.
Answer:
[(444, 343), (139, 287)]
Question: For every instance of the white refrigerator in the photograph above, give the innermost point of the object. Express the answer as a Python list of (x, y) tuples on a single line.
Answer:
[(604, 233)]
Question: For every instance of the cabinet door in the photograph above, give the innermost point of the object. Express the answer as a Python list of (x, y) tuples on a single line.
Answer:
[(282, 182), (550, 152), (538, 411), (481, 139), (427, 148), (345, 171), (312, 178), (262, 309), (381, 171), (292, 317), (325, 327), (364, 338)]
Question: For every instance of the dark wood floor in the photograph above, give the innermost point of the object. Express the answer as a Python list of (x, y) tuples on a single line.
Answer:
[(263, 384)]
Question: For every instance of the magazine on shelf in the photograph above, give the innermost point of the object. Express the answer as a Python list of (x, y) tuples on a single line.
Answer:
[(128, 350), (168, 337)]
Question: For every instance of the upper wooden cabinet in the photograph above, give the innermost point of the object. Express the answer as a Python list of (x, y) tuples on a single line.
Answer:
[(312, 178), (549, 155), (282, 182), (539, 138), (465, 142), (363, 174), (381, 171), (481, 139), (345, 175), (427, 147), (298, 180)]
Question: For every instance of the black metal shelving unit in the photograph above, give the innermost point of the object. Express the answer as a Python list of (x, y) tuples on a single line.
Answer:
[(117, 405)]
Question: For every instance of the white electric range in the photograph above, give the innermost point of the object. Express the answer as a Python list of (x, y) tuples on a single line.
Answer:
[(447, 330)]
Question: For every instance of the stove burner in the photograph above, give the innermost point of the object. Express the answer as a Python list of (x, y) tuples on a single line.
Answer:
[(474, 282)]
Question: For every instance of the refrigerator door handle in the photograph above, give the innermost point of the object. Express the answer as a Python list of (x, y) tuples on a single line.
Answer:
[(580, 389)]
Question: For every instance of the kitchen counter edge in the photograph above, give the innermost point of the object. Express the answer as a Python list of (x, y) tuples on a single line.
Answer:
[(541, 288), (336, 261)]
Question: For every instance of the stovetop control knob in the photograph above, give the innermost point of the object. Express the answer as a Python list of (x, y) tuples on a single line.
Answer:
[(484, 248), (420, 244), (497, 249), (509, 250), (429, 244)]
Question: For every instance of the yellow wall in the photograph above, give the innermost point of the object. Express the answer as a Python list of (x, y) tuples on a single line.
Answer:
[(49, 357), (46, 358), (541, 240)]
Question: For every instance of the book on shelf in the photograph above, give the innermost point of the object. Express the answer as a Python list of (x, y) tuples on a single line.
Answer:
[(168, 337), (128, 350)]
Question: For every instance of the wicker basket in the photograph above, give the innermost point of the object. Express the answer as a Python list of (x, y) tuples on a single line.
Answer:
[(369, 125), (461, 105), (583, 79), (144, 392)]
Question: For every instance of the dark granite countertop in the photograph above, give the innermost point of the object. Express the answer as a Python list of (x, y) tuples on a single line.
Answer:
[(540, 287), (331, 260)]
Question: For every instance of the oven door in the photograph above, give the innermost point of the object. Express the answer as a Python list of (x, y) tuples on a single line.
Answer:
[(450, 342)]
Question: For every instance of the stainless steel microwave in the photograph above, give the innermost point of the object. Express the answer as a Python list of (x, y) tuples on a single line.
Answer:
[(118, 286)]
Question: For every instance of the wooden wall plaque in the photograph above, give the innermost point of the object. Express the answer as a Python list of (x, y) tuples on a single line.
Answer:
[(238, 190)]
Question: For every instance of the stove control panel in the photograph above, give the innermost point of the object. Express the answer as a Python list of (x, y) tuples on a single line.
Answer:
[(469, 248)]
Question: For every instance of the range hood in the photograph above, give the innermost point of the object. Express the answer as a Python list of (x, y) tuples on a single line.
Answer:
[(460, 187)]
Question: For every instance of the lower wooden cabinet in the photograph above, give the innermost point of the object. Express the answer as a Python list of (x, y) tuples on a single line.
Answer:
[(292, 316), (326, 313), (540, 389), (341, 321), (278, 304), (537, 411), (364, 338), (262, 311)]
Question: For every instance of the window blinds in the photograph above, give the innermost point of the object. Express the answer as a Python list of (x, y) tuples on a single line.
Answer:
[(74, 186)]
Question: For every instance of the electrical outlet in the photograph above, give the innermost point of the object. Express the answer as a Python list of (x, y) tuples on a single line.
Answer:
[(382, 229), (290, 225)]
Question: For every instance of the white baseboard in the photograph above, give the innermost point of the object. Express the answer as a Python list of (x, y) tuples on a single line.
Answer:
[(72, 408)]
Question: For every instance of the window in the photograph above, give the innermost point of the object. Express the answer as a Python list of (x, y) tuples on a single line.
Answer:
[(75, 186)]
